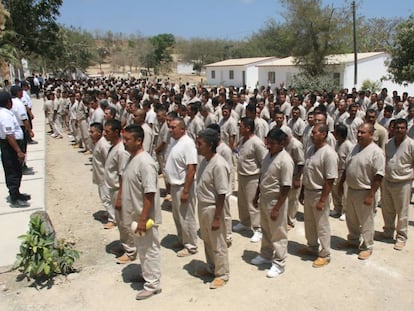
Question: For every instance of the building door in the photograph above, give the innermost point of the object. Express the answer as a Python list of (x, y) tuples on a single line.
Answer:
[(243, 77)]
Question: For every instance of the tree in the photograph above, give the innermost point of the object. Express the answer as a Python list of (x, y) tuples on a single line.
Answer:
[(35, 26), (401, 66), (200, 51), (376, 34), (8, 53), (271, 40), (162, 43), (314, 30)]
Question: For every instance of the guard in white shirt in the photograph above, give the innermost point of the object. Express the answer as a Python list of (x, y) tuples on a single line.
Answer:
[(12, 156)]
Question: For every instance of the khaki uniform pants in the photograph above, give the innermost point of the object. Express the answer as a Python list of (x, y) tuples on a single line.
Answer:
[(395, 204), (148, 247), (106, 201), (185, 217), (248, 214), (215, 246), (317, 223), (293, 204), (339, 201), (126, 236), (275, 240), (360, 218)]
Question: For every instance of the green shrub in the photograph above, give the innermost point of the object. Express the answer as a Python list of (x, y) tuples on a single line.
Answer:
[(373, 86), (303, 82), (41, 256)]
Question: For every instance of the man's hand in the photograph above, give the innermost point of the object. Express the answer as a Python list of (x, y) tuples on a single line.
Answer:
[(368, 200), (21, 156), (320, 205), (142, 227), (296, 183), (215, 225), (274, 214), (184, 196)]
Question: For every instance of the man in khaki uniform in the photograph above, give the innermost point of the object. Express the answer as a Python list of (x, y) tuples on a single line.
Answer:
[(343, 148), (364, 169), (295, 149), (396, 186), (251, 154), (114, 168), (225, 151), (213, 186), (140, 202), (228, 127), (380, 133), (82, 121), (99, 155), (319, 173), (275, 183)]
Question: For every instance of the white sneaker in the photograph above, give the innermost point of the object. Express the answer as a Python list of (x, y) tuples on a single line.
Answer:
[(54, 135), (342, 218), (275, 271), (257, 236), (259, 260), (240, 227)]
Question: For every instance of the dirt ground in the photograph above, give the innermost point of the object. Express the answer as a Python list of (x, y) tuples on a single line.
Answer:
[(384, 282), (193, 79)]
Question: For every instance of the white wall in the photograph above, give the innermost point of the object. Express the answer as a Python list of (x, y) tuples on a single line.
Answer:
[(252, 77), (185, 68), (222, 76), (283, 74), (373, 69)]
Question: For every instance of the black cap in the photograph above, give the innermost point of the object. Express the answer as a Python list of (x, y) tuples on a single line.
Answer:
[(14, 89), (4, 98)]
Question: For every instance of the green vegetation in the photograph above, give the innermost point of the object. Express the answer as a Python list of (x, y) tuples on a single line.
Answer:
[(41, 257), (306, 29), (402, 52)]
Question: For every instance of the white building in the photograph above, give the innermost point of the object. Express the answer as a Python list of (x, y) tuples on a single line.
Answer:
[(184, 68), (371, 66), (236, 72)]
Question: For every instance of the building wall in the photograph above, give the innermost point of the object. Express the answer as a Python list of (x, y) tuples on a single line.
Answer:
[(252, 77), (185, 68), (283, 74), (222, 76), (373, 69)]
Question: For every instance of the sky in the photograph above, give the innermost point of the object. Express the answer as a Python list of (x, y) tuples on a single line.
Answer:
[(223, 19)]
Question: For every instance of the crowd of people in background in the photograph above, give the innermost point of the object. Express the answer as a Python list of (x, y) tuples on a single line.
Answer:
[(273, 148)]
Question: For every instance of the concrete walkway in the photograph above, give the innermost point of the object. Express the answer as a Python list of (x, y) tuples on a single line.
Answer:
[(14, 221)]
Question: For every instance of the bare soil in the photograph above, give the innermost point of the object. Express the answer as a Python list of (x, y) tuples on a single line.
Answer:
[(384, 282)]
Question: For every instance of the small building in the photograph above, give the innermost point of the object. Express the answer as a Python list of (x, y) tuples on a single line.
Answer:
[(236, 72), (184, 68), (371, 66)]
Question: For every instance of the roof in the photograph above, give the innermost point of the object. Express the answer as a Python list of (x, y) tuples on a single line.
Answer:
[(240, 61), (335, 59)]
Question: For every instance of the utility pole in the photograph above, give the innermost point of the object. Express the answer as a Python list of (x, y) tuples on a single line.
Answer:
[(355, 45)]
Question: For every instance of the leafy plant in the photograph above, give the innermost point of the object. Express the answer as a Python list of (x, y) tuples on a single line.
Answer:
[(373, 86), (41, 256), (304, 82)]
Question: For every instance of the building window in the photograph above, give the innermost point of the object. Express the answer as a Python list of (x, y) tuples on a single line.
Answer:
[(337, 78), (213, 74), (231, 74), (271, 77)]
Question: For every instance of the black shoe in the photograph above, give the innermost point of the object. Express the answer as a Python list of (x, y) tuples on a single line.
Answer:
[(19, 203), (28, 172), (24, 196), (32, 142)]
